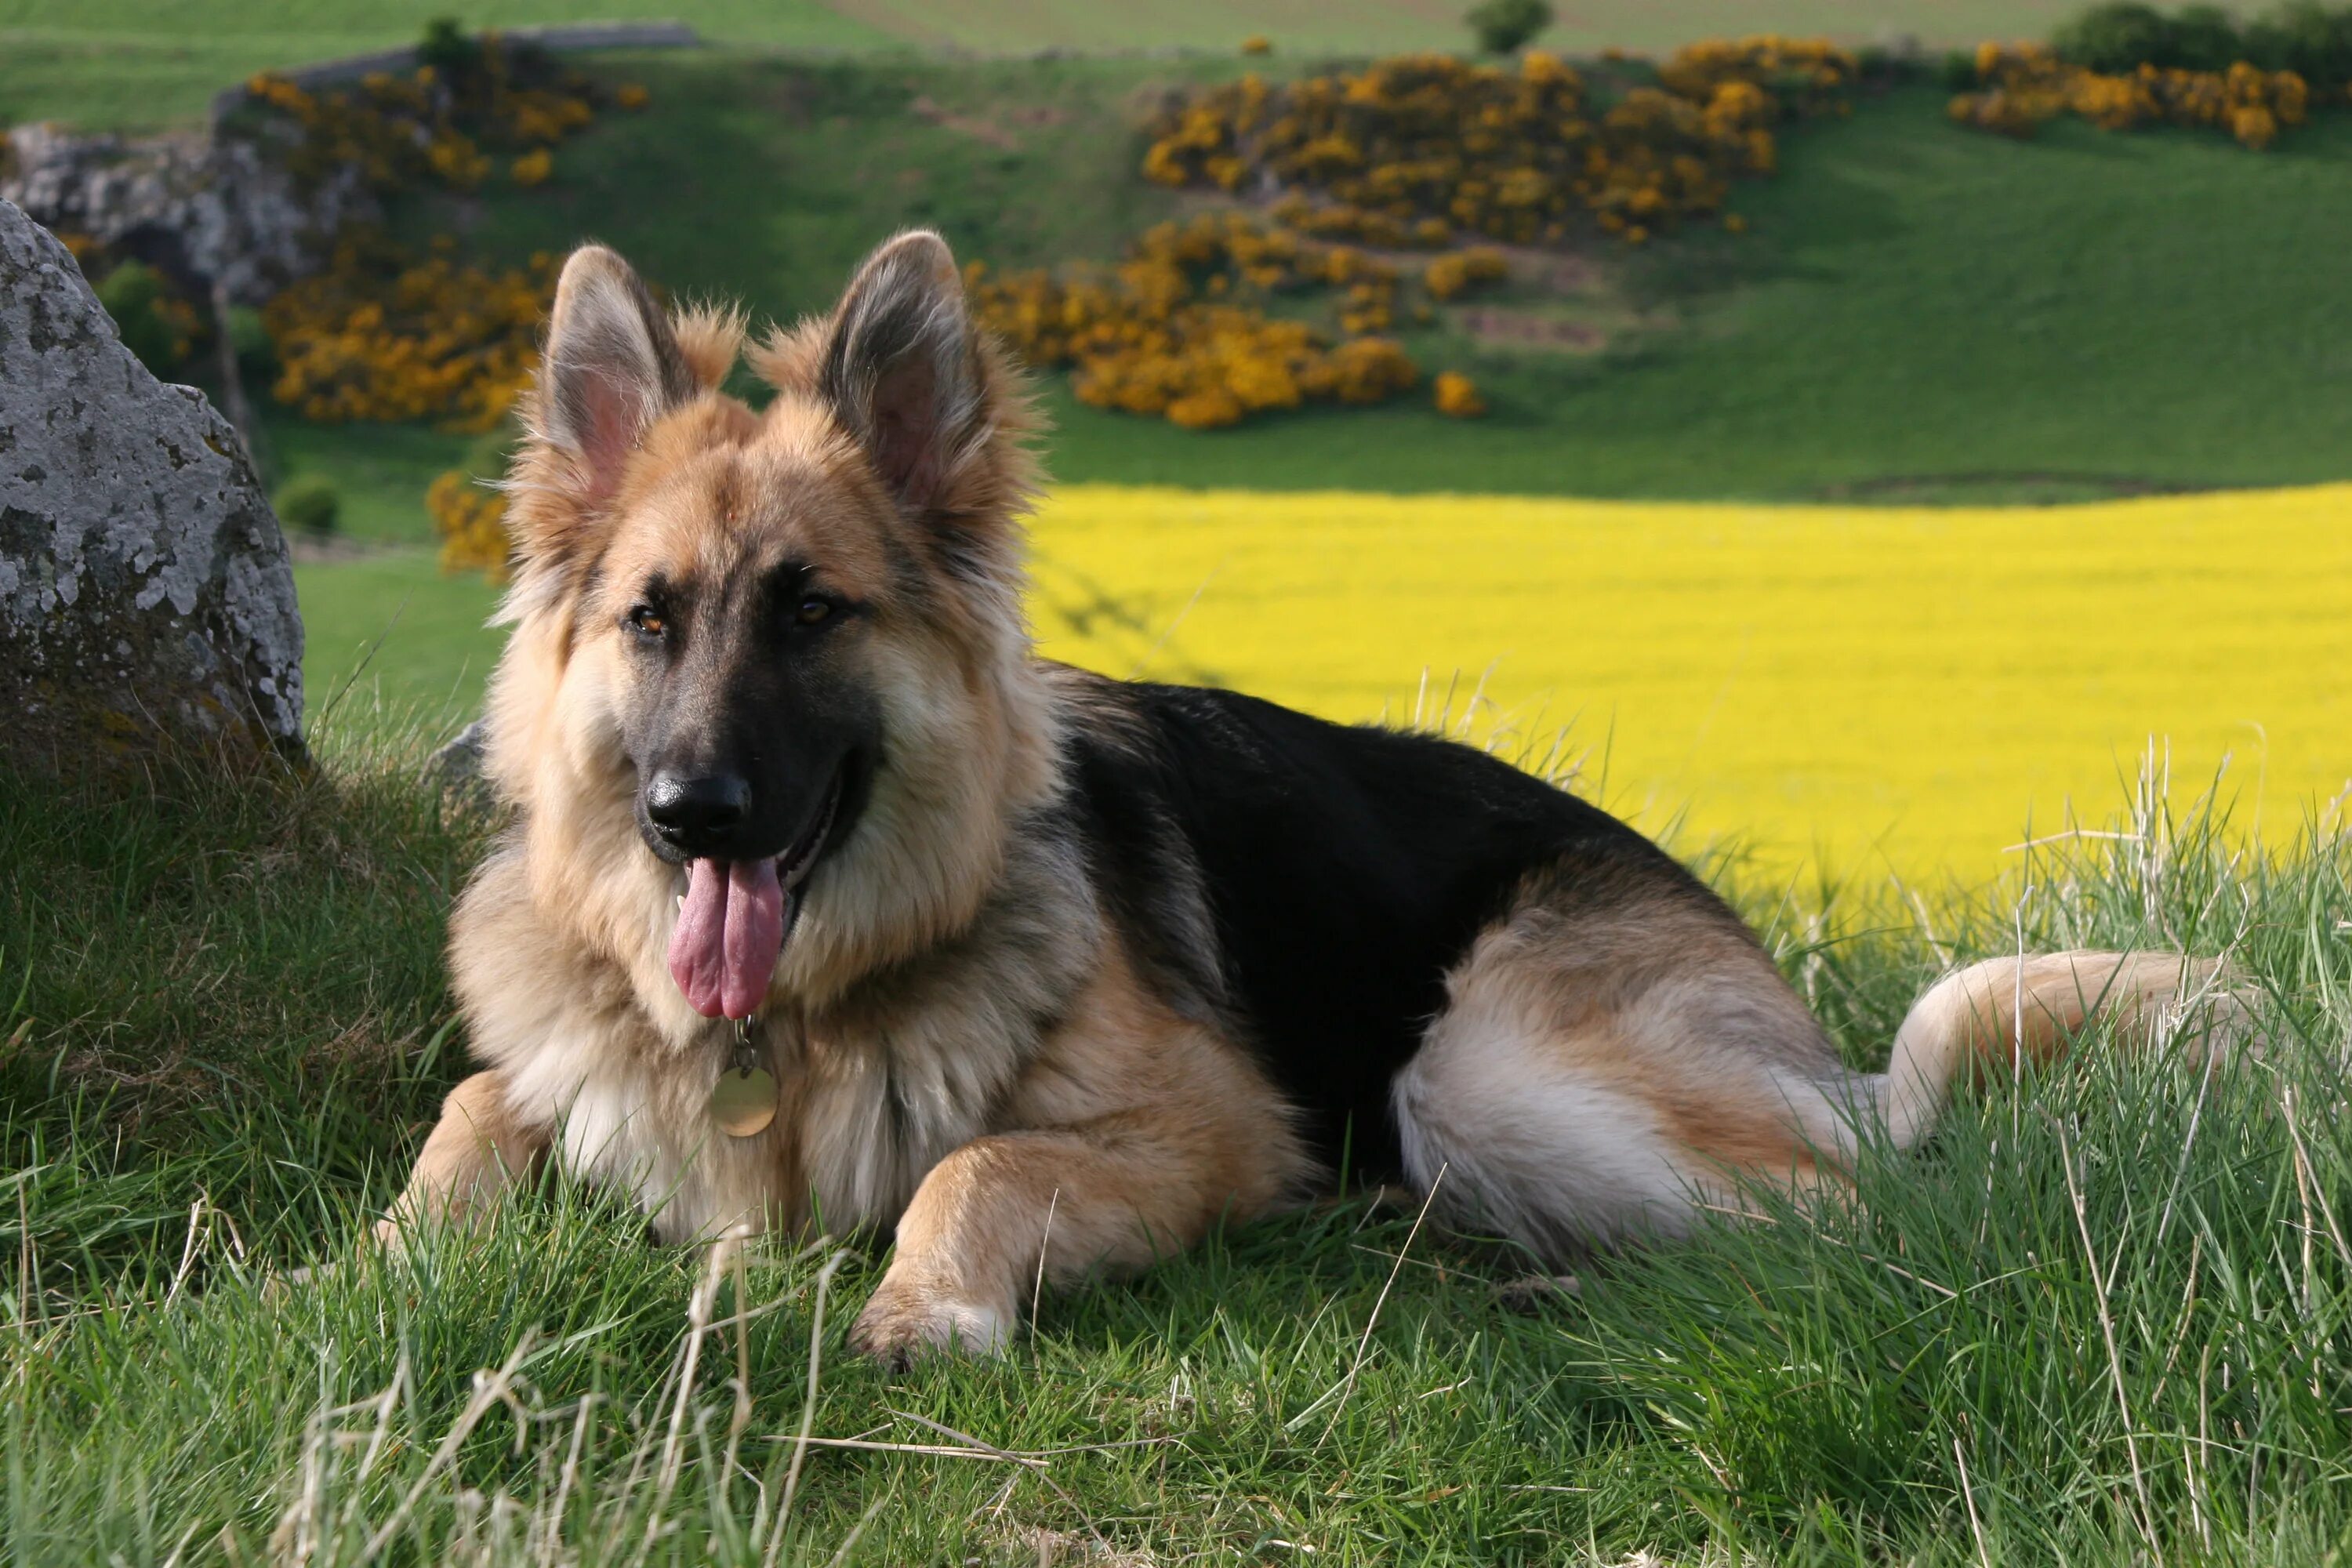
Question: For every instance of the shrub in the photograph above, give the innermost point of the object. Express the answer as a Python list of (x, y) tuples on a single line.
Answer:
[(1959, 72), (1257, 43), (471, 520), (2026, 84), (385, 334), (145, 318), (2303, 36), (440, 124), (1413, 149), (447, 51), (1505, 27), (1180, 331), (1457, 395), (309, 502), (1460, 271)]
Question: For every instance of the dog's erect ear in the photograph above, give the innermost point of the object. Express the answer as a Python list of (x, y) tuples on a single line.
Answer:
[(614, 366), (901, 369)]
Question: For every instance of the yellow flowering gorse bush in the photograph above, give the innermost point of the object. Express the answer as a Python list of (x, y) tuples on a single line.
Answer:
[(1415, 149), (1457, 395), (2024, 85), (383, 334), (469, 518), (1179, 329)]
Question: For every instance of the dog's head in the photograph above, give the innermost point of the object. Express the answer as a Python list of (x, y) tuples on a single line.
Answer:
[(767, 628)]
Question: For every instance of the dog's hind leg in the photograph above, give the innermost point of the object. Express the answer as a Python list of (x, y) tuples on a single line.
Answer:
[(1135, 1131), (474, 1154), (1600, 1071)]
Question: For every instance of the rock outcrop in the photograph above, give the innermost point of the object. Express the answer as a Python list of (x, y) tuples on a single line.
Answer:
[(145, 590), (204, 207)]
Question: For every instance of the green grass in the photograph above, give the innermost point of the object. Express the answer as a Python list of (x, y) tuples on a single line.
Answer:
[(122, 65), (391, 628), (229, 1024), (380, 471)]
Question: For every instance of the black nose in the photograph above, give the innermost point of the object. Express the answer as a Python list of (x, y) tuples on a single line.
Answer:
[(698, 813)]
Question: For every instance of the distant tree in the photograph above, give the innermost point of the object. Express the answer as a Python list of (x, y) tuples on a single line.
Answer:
[(2304, 37), (2205, 39), (445, 47), (1503, 25), (2115, 39)]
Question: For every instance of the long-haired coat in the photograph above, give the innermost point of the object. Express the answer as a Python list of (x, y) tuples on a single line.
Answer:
[(1010, 941)]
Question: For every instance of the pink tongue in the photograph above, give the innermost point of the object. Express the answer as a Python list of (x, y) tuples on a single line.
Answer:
[(729, 936)]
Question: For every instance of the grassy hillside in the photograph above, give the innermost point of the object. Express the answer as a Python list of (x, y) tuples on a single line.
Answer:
[(2100, 1319), (1917, 311), (1914, 305)]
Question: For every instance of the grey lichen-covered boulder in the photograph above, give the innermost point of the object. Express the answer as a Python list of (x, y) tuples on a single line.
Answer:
[(144, 586)]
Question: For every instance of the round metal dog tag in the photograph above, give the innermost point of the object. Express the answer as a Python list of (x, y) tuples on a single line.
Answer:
[(743, 1103), (744, 1100)]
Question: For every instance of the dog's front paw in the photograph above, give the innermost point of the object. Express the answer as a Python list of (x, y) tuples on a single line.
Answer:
[(903, 1323)]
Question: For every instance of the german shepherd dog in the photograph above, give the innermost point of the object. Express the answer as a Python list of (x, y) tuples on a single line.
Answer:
[(826, 902)]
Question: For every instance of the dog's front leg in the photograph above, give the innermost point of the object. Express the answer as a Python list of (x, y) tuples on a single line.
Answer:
[(997, 1213), (477, 1148), (1132, 1132)]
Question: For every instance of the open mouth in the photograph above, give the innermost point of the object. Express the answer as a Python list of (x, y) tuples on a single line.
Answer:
[(736, 916)]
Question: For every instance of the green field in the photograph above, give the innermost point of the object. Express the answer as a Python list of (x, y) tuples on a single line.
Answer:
[(2106, 1318)]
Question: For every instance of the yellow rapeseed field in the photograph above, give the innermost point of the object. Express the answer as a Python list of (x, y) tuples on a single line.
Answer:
[(1857, 689)]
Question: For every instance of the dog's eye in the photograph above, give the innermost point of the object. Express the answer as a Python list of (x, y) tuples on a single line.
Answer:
[(649, 621), (813, 611)]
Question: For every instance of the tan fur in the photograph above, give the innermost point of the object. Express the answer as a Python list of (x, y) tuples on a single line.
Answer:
[(1589, 1075), (1138, 1131), (1996, 1018), (969, 1046), (477, 1150), (711, 338), (929, 939), (1589, 1079)]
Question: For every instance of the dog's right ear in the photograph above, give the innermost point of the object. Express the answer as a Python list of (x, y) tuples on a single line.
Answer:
[(614, 366)]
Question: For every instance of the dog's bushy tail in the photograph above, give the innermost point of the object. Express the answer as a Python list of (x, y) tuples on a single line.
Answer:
[(1992, 1019)]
